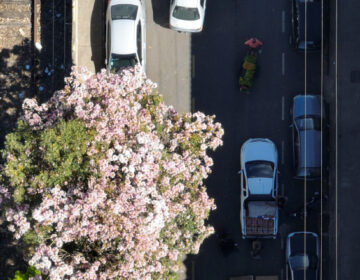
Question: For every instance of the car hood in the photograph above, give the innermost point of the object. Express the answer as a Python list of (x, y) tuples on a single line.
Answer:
[(297, 244), (260, 185), (259, 149), (123, 37), (312, 103), (311, 156)]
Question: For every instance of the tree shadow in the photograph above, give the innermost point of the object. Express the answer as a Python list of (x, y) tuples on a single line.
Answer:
[(97, 34), (15, 84), (161, 12)]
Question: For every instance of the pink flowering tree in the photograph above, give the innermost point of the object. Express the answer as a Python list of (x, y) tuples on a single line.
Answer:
[(105, 181)]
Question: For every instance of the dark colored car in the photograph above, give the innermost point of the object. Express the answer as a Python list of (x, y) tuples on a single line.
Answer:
[(302, 256), (313, 25), (308, 119)]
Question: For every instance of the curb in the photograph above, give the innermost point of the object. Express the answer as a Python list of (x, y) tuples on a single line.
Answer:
[(74, 39)]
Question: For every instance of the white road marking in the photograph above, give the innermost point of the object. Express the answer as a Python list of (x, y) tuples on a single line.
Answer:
[(283, 108), (282, 152), (283, 64), (283, 21), (193, 66)]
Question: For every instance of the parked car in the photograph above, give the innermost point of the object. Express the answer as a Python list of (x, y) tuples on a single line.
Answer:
[(313, 25), (125, 35), (302, 262), (259, 187), (308, 114), (187, 15)]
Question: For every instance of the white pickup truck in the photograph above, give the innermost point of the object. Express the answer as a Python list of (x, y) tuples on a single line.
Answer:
[(259, 212)]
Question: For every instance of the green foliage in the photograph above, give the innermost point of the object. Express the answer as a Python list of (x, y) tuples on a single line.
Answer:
[(30, 272), (19, 194), (195, 142), (250, 58), (65, 148), (30, 238), (47, 158)]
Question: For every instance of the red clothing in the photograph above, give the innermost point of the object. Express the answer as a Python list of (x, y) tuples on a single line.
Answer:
[(253, 43)]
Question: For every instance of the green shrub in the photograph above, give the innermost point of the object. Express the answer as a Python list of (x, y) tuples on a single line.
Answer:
[(30, 272)]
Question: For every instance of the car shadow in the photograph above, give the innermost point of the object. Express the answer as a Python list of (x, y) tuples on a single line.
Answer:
[(97, 34), (161, 12)]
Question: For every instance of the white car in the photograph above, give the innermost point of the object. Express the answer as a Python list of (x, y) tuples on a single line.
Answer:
[(187, 15), (259, 188), (125, 35)]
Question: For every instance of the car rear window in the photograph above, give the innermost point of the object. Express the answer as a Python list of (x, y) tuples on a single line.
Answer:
[(184, 13), (123, 11), (259, 169)]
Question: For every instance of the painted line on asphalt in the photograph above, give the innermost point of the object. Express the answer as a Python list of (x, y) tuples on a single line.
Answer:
[(193, 66), (283, 64), (283, 21), (282, 189), (283, 108), (282, 152)]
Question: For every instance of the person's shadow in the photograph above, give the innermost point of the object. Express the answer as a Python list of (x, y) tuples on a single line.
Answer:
[(161, 12)]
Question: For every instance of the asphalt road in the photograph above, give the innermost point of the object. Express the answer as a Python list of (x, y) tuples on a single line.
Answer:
[(217, 53)]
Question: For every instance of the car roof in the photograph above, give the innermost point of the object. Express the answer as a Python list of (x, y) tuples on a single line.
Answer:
[(313, 24), (187, 3), (312, 103), (311, 156), (123, 36)]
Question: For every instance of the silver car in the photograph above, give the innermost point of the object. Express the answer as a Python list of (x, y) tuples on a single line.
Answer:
[(259, 188), (125, 35)]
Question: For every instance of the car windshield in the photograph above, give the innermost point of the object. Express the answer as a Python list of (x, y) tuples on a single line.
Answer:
[(123, 11), (120, 61), (259, 169), (308, 123), (184, 13)]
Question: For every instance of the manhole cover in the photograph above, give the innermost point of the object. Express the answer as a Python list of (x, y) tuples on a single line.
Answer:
[(355, 76)]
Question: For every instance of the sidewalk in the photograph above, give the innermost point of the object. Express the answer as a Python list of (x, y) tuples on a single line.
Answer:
[(88, 33)]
